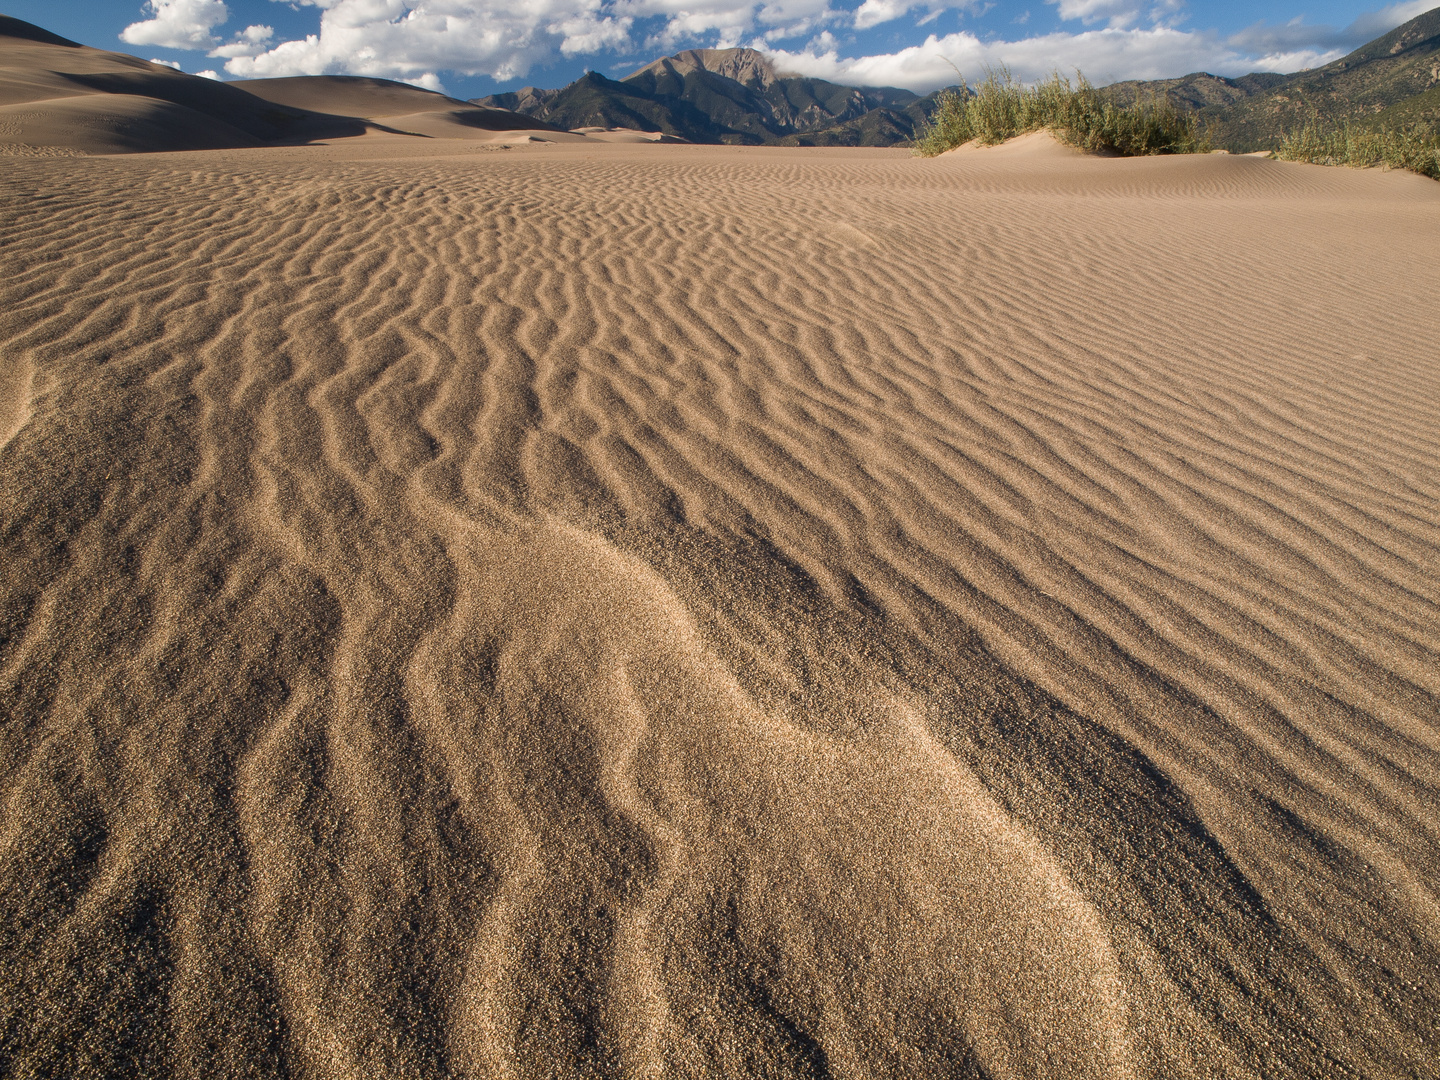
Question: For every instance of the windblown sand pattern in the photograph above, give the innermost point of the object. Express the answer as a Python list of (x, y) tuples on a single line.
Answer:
[(668, 611)]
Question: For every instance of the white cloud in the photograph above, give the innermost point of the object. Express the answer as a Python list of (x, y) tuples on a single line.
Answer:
[(1119, 14), (208, 74), (785, 19), (1103, 55), (252, 41), (1115, 12), (428, 81), (178, 24), (721, 23), (411, 40), (587, 34), (1091, 10), (403, 38), (174, 65), (874, 12)]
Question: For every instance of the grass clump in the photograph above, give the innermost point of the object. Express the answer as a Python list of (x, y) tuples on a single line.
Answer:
[(1414, 148), (1000, 108)]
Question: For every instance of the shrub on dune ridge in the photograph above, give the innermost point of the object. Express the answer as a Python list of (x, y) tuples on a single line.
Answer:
[(1000, 108), (1412, 148)]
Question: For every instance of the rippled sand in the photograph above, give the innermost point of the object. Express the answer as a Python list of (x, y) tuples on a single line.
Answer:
[(669, 611)]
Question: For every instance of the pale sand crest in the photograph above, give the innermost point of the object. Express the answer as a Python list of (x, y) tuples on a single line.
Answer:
[(680, 611)]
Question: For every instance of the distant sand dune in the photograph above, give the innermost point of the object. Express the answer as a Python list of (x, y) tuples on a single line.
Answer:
[(58, 98), (114, 124), (702, 611), (352, 95), (402, 108)]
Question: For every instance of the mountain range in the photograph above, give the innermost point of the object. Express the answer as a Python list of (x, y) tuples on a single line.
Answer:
[(727, 96), (738, 96)]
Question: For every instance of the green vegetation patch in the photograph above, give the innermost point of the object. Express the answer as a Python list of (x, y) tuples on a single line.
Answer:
[(1415, 148), (1000, 109)]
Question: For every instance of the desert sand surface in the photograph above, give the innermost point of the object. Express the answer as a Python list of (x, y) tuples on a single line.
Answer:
[(649, 611)]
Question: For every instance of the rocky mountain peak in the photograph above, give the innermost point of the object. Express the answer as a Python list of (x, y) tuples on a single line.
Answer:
[(745, 66)]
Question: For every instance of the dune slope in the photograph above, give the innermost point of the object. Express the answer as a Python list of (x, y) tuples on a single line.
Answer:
[(58, 98), (350, 95), (404, 108), (650, 611)]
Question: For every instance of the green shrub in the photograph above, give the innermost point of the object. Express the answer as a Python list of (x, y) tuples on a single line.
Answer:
[(949, 124), (1414, 148), (1000, 108)]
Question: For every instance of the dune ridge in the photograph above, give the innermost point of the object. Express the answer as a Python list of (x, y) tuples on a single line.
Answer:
[(603, 610)]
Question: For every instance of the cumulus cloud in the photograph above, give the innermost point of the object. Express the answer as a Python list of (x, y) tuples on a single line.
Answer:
[(721, 23), (178, 24), (1105, 56), (587, 34), (407, 39), (252, 41), (783, 19), (874, 12), (428, 81), (208, 74), (173, 65), (412, 41), (1119, 14)]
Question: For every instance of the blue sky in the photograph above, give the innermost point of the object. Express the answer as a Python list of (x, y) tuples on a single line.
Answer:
[(474, 47)]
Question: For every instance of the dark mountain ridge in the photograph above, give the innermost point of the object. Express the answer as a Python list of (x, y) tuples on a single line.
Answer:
[(727, 96)]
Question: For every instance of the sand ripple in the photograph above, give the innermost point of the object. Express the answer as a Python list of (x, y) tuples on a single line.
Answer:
[(690, 611)]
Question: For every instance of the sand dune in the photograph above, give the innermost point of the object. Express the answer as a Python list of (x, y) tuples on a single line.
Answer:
[(83, 124), (703, 611), (403, 108), (58, 98), (352, 95), (1036, 144)]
